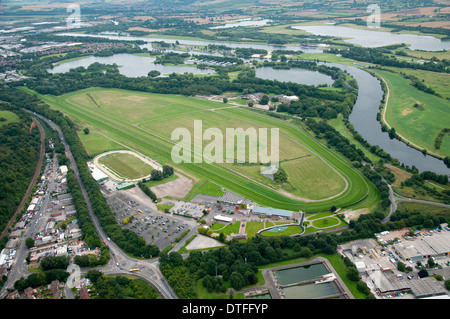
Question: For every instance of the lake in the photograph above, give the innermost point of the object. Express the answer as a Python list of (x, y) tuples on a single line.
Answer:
[(129, 65), (371, 39), (243, 23), (295, 75)]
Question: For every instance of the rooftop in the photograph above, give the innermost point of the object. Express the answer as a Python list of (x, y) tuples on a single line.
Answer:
[(269, 211)]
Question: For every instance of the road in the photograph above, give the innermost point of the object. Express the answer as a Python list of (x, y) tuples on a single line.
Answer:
[(395, 199), (120, 263)]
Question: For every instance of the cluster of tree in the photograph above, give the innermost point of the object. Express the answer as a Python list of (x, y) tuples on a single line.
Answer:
[(157, 175), (247, 53), (447, 161), (280, 176), (380, 184), (127, 240), (438, 140), (147, 191), (382, 56), (418, 84), (41, 279), (172, 58), (215, 284), (352, 274), (239, 33), (120, 287), (19, 154), (432, 176), (403, 217), (88, 231), (335, 139), (54, 262), (170, 23), (417, 181), (89, 234)]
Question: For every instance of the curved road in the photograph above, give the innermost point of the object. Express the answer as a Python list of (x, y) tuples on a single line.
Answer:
[(120, 263)]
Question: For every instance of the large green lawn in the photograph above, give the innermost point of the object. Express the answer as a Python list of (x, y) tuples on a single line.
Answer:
[(422, 124), (146, 127), (126, 165), (7, 117)]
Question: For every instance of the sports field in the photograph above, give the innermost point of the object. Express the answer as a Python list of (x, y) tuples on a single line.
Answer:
[(125, 166), (144, 122)]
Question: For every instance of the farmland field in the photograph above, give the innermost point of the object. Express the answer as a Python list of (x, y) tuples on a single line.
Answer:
[(146, 124)]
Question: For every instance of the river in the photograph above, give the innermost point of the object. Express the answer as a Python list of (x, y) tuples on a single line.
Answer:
[(363, 116), (364, 120), (372, 38)]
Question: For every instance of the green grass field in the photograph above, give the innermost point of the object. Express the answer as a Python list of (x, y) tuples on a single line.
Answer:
[(420, 125), (7, 117), (226, 229), (95, 143), (126, 165), (145, 125), (289, 230)]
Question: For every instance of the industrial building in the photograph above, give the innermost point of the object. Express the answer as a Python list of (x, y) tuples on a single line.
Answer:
[(436, 245), (427, 287)]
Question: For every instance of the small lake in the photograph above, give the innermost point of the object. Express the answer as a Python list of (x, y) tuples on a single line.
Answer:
[(371, 39), (302, 273), (129, 65), (243, 23), (295, 75)]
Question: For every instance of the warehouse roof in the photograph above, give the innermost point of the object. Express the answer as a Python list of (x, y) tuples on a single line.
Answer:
[(269, 211)]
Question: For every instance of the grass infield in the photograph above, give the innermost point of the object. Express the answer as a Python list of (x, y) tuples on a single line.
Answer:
[(146, 127)]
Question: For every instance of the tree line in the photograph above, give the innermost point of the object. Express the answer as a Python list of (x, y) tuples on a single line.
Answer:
[(381, 56), (19, 154)]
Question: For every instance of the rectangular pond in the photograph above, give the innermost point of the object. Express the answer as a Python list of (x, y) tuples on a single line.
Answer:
[(311, 291), (301, 273)]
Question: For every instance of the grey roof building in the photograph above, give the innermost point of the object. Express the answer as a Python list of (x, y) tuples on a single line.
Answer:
[(427, 287)]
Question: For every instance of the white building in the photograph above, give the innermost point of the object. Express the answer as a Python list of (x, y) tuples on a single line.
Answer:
[(223, 218)]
